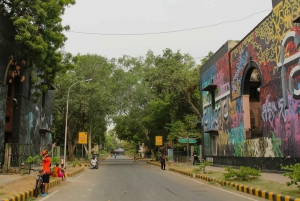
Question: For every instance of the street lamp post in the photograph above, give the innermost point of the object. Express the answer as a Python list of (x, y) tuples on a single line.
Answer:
[(66, 128)]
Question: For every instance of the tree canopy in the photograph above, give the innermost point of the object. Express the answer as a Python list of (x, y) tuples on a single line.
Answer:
[(144, 97), (39, 29)]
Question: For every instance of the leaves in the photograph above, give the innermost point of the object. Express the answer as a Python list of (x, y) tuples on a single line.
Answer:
[(293, 173), (39, 29)]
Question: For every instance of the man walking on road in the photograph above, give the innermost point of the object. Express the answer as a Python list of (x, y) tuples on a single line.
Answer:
[(162, 159)]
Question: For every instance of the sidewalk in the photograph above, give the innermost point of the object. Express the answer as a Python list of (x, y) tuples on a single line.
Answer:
[(24, 184), (244, 187)]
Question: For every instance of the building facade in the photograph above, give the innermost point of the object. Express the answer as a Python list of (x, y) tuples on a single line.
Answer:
[(250, 94), (25, 125)]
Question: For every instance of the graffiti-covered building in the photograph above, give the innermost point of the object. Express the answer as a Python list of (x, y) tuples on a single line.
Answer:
[(24, 125), (250, 94)]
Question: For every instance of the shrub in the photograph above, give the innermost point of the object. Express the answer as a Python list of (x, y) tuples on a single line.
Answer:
[(244, 173), (202, 167), (293, 173), (74, 163), (55, 160)]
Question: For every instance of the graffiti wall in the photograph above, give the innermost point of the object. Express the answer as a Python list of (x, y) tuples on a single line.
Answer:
[(3, 92), (29, 117), (274, 46)]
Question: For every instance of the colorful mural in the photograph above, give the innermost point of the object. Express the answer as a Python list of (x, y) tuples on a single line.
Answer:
[(274, 46)]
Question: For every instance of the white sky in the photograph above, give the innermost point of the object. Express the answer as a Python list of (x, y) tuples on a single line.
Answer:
[(141, 16)]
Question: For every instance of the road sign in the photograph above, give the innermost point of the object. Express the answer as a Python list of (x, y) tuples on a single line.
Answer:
[(184, 140), (158, 141), (82, 138)]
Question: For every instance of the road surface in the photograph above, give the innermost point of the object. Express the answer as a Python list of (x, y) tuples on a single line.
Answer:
[(119, 179)]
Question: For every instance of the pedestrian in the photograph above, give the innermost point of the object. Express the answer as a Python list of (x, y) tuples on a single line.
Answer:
[(56, 170), (62, 171), (46, 170), (162, 159), (195, 155), (134, 158)]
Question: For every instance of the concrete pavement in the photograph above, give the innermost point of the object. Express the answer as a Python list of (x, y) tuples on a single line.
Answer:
[(263, 193), (22, 196)]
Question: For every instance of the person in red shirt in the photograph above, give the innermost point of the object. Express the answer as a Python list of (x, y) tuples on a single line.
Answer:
[(46, 170)]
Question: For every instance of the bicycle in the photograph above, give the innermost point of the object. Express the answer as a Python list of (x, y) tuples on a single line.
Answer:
[(39, 185)]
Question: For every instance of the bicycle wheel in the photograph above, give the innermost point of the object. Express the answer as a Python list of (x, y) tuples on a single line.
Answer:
[(37, 188)]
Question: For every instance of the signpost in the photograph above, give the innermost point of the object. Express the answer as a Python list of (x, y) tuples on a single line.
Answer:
[(158, 140), (82, 139), (185, 140)]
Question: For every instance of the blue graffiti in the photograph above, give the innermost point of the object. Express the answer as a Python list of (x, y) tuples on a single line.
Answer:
[(242, 61), (237, 138), (207, 77)]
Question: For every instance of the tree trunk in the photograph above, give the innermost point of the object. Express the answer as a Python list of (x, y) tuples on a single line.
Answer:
[(146, 131), (71, 146), (188, 93)]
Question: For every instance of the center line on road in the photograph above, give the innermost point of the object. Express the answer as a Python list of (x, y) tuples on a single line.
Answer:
[(214, 187), (49, 195)]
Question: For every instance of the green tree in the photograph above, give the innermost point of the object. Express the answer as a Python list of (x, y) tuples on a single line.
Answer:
[(39, 29), (90, 105)]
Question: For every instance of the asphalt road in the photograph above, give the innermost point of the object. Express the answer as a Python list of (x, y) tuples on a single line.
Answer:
[(122, 180)]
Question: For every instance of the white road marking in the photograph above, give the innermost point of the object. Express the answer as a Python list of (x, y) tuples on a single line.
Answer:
[(212, 186), (79, 176), (49, 195)]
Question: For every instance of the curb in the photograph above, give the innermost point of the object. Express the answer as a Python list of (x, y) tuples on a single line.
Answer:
[(29, 193), (242, 188), (70, 174)]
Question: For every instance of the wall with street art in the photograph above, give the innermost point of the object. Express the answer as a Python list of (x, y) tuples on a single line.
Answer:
[(21, 120), (259, 115)]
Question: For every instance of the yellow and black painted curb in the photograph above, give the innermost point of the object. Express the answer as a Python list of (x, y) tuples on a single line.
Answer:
[(30, 193), (70, 174), (242, 188)]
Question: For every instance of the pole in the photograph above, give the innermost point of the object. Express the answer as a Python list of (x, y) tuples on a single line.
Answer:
[(187, 150), (90, 140), (67, 109)]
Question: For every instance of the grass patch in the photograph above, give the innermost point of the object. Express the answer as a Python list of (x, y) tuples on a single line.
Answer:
[(2, 193)]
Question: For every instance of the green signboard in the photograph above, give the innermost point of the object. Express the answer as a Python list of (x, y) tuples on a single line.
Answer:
[(184, 140)]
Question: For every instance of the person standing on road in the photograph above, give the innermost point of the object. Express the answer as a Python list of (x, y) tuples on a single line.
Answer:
[(162, 159), (46, 170), (195, 155)]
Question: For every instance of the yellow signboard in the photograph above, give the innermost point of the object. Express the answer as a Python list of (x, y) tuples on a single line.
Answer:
[(82, 138), (158, 140)]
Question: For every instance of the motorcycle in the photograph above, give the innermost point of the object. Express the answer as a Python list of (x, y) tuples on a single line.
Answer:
[(94, 163)]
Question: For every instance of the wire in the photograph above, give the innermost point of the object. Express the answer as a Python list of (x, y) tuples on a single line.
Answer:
[(166, 32)]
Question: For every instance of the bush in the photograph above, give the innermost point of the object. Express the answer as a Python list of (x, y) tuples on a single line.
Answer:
[(55, 160), (74, 163), (202, 167), (293, 173), (244, 173)]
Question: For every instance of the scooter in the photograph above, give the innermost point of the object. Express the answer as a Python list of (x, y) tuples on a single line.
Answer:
[(94, 163)]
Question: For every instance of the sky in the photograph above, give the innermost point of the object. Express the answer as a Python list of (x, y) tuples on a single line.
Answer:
[(113, 28)]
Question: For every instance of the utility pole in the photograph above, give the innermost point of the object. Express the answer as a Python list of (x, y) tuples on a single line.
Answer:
[(90, 140), (187, 150)]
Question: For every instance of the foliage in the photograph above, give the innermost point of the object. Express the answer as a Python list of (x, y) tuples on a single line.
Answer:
[(202, 167), (33, 159), (39, 29), (244, 173), (55, 160), (91, 104), (74, 163), (293, 173)]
